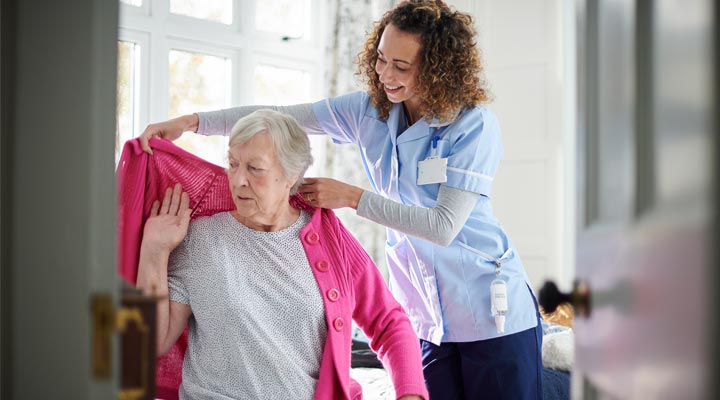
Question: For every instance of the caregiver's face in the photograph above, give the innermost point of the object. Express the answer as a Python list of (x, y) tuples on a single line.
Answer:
[(397, 64)]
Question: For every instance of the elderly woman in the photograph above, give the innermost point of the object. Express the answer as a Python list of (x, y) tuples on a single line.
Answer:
[(269, 289)]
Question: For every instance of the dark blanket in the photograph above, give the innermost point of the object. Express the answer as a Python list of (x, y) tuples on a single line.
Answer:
[(363, 357), (556, 384)]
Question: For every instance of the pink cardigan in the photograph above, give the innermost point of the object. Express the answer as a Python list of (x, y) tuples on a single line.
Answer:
[(349, 281)]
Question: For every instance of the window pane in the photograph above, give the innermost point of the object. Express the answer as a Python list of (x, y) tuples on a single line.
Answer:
[(281, 86), (284, 17), (200, 82), (132, 2), (128, 62), (211, 10)]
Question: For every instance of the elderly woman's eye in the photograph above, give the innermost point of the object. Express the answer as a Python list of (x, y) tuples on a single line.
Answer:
[(233, 165)]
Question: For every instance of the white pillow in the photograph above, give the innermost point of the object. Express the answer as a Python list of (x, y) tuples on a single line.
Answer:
[(558, 350)]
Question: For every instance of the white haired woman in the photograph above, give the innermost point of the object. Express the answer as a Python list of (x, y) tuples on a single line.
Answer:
[(270, 288)]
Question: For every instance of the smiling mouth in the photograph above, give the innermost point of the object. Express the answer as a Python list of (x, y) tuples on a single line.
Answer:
[(392, 88)]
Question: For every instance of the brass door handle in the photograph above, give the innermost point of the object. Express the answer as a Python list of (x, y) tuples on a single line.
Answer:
[(103, 323), (106, 321), (123, 317)]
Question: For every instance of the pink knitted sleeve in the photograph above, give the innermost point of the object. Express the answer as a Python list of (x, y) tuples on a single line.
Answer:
[(142, 179), (384, 321)]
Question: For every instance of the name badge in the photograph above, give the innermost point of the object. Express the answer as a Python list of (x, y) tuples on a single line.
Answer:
[(432, 170)]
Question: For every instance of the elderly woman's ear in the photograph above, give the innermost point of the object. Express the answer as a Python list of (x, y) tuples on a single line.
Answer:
[(293, 181)]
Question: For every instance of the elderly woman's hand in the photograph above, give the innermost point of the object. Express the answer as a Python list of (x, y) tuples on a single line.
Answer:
[(170, 129), (168, 222), (329, 193)]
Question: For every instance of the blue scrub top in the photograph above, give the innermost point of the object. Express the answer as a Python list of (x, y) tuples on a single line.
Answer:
[(445, 290)]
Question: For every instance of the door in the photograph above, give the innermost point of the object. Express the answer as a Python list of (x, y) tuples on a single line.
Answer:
[(57, 203), (647, 176)]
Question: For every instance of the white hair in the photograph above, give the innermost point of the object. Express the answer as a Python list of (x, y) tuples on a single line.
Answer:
[(291, 143)]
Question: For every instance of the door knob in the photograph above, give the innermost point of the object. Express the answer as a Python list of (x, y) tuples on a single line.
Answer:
[(551, 297)]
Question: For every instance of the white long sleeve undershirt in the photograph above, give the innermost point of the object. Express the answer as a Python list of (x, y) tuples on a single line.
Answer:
[(438, 225)]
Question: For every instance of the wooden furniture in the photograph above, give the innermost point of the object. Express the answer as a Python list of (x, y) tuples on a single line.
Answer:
[(136, 324)]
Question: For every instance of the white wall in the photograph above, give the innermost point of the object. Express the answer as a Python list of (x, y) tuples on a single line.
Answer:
[(523, 48)]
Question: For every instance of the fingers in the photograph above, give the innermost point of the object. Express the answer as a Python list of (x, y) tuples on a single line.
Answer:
[(145, 145), (184, 201), (308, 189), (155, 207), (166, 201), (185, 210), (175, 200), (145, 137), (308, 195), (309, 181)]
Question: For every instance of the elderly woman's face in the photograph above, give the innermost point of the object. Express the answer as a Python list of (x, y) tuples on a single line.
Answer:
[(259, 186)]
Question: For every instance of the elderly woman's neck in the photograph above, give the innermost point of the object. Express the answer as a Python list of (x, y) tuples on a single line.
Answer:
[(282, 218)]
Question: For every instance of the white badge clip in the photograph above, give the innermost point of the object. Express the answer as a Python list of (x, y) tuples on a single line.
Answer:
[(433, 169), (498, 299)]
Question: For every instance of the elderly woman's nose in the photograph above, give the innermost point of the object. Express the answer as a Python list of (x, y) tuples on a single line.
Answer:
[(239, 178)]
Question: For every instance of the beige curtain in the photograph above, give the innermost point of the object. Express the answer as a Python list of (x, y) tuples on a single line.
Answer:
[(350, 21)]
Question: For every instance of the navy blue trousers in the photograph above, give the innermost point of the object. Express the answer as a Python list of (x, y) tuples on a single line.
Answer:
[(508, 367)]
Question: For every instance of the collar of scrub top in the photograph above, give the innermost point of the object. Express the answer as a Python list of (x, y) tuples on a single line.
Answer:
[(436, 123), (416, 131)]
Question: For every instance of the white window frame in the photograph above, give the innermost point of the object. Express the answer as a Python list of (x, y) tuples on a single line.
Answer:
[(141, 89), (198, 48), (157, 31)]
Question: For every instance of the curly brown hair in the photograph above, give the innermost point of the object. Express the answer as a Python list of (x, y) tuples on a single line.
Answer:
[(450, 71)]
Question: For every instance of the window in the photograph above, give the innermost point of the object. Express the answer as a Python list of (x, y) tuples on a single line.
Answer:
[(285, 17), (198, 82), (281, 86), (211, 10), (128, 62), (181, 56)]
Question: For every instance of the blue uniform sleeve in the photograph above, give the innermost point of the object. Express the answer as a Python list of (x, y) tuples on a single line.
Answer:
[(341, 116), (476, 151)]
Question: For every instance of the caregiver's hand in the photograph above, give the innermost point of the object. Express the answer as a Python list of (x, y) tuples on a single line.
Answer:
[(329, 193), (170, 129)]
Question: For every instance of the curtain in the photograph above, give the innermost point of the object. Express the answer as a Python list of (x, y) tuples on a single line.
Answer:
[(350, 20)]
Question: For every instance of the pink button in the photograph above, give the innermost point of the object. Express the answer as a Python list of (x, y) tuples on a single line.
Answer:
[(322, 265), (338, 324), (312, 237), (333, 294)]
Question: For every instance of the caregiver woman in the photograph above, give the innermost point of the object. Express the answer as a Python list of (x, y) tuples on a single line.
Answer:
[(431, 150)]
